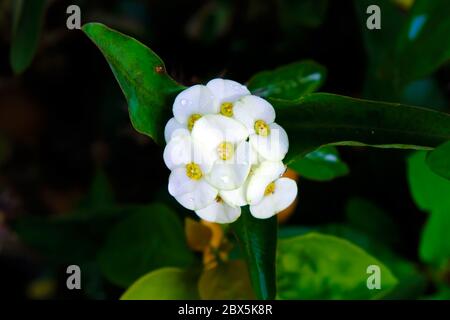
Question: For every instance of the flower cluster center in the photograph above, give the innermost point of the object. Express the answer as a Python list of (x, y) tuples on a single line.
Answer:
[(269, 189), (226, 109), (194, 171), (225, 150), (192, 119), (262, 128)]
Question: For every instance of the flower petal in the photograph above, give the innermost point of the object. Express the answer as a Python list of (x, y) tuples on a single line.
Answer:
[(178, 151), (249, 109), (236, 197), (273, 147), (197, 99), (201, 196), (174, 128), (180, 183), (219, 212), (211, 130), (284, 194), (226, 90), (264, 209), (231, 174), (266, 173)]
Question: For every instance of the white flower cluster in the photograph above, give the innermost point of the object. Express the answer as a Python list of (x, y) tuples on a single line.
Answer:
[(225, 151)]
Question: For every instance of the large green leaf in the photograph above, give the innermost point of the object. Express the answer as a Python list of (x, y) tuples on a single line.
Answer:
[(164, 284), (141, 74), (439, 160), (322, 164), (27, 24), (320, 119), (316, 266), (150, 238), (411, 283), (289, 82), (258, 240), (431, 193)]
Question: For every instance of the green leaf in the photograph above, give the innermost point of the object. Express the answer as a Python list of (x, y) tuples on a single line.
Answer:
[(431, 193), (27, 24), (164, 284), (320, 119), (150, 238), (316, 266), (322, 164), (228, 281), (142, 76), (411, 283), (258, 241), (439, 160), (289, 82), (423, 44)]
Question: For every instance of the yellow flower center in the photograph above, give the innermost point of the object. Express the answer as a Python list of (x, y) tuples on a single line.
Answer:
[(262, 128), (269, 189), (193, 171), (225, 150), (192, 119), (226, 109)]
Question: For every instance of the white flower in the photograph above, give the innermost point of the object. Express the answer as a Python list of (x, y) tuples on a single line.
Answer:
[(223, 146), (225, 151), (187, 180), (267, 193), (268, 138), (191, 104)]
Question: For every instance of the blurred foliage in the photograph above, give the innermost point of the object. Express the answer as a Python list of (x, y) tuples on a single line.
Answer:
[(323, 164), (27, 23), (289, 82), (431, 193), (118, 243), (164, 284), (316, 266)]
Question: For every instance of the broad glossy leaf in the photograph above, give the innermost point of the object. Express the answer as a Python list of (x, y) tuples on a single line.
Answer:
[(289, 82), (322, 164), (423, 45), (411, 283), (439, 160), (322, 119), (27, 24), (432, 194), (150, 238), (258, 241), (141, 74), (164, 284), (316, 266), (228, 281)]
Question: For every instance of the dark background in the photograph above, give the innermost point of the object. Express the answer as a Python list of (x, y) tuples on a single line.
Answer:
[(66, 114)]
